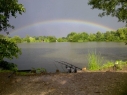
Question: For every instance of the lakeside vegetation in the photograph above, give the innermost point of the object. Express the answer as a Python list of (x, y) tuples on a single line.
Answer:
[(119, 35), (96, 63)]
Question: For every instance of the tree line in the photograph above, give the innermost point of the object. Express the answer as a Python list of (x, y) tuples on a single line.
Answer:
[(116, 36)]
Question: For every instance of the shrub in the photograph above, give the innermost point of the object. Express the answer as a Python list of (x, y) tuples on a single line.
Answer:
[(4, 65), (107, 65)]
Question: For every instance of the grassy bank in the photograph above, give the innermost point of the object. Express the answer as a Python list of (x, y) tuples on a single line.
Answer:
[(96, 63)]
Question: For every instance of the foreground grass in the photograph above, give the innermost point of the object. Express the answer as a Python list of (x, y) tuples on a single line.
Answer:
[(95, 63)]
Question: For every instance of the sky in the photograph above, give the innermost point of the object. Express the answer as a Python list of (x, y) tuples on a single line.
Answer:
[(59, 18)]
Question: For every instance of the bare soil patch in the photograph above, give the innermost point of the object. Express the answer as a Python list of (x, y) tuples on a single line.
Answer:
[(84, 83)]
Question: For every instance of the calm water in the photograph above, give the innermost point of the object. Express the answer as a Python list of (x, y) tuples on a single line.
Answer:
[(45, 54)]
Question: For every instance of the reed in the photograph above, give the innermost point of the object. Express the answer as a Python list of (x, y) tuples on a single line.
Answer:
[(94, 61)]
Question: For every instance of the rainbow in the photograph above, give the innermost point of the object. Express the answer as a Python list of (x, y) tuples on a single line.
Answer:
[(66, 22)]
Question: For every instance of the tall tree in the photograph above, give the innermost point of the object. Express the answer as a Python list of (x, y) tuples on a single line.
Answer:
[(9, 8), (115, 8), (84, 36), (120, 32), (70, 36), (98, 36)]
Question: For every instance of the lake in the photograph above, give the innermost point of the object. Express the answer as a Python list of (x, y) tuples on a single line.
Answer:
[(44, 55)]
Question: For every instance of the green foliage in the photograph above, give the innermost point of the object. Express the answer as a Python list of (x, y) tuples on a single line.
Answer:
[(63, 39), (94, 61), (40, 38), (119, 35), (32, 39), (52, 38), (92, 37), (77, 37), (39, 70), (16, 39), (99, 36), (4, 65), (9, 71), (8, 49), (121, 64), (9, 8), (70, 37), (26, 39), (80, 40), (115, 8), (107, 65)]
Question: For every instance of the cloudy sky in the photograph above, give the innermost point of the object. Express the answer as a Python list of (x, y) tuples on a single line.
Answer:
[(59, 18)]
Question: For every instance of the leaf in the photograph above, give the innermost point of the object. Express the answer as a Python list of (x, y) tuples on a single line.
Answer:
[(9, 49)]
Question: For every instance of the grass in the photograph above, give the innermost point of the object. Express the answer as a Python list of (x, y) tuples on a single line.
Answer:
[(23, 73), (10, 71), (94, 61), (7, 71), (107, 65)]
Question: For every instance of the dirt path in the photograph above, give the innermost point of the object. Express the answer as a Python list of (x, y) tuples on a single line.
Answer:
[(87, 83)]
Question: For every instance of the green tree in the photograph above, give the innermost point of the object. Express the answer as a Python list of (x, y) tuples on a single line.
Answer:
[(70, 37), (63, 39), (108, 36), (52, 38), (83, 36), (41, 38), (120, 32), (92, 37), (16, 39), (60, 40), (26, 39), (8, 49), (115, 8), (9, 8), (32, 39), (75, 38), (99, 36)]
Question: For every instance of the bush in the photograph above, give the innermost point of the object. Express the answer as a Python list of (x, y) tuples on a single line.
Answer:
[(4, 65), (107, 65)]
